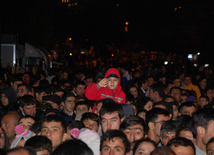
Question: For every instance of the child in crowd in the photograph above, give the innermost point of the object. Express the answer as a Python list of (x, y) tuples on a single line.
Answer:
[(108, 87)]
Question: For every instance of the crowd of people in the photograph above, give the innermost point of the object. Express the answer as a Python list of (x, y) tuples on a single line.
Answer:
[(111, 109)]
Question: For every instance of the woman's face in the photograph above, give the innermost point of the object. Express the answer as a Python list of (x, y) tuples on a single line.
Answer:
[(2, 139), (148, 105), (4, 100), (133, 91), (144, 148)]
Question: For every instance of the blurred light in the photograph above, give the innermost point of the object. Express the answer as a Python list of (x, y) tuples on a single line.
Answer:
[(70, 54), (69, 38), (176, 9), (179, 7), (165, 62), (126, 23), (126, 28), (69, 5), (198, 53), (189, 56), (112, 55), (195, 65), (171, 62), (206, 65), (117, 5), (75, 3)]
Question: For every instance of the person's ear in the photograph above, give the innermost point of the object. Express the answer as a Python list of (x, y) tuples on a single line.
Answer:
[(62, 103), (151, 125), (21, 108), (65, 136), (200, 131), (122, 119)]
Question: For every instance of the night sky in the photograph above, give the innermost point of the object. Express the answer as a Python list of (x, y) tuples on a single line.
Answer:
[(182, 26)]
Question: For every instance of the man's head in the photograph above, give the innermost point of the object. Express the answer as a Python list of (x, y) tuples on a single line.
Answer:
[(114, 141), (154, 120), (187, 108), (8, 123), (151, 80), (24, 89), (144, 146), (187, 79), (39, 92), (210, 147), (22, 151), (16, 80), (82, 106), (28, 105), (203, 125), (41, 144), (54, 100), (182, 146), (142, 83), (68, 102), (91, 121), (134, 128), (54, 127), (156, 92), (79, 88), (176, 93), (111, 115), (168, 131), (88, 80)]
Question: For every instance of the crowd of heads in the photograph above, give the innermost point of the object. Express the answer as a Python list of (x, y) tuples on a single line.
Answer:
[(108, 110)]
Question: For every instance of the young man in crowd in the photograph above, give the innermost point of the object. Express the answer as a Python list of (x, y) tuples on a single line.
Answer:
[(114, 142), (54, 127), (91, 121), (187, 108), (111, 116), (154, 120), (202, 128), (68, 103), (134, 128), (168, 131)]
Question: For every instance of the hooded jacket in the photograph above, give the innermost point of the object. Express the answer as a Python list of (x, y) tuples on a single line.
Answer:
[(95, 92)]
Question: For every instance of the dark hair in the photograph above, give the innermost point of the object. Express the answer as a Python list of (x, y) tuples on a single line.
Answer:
[(17, 77), (168, 126), (73, 146), (39, 90), (111, 134), (210, 141), (131, 121), (175, 88), (167, 105), (44, 83), (66, 95), (180, 141), (27, 100), (152, 115), (91, 116), (27, 116), (81, 103), (56, 118), (202, 117), (158, 87), (186, 104), (36, 127), (29, 150), (27, 86), (75, 124), (111, 107), (79, 83), (141, 81), (39, 143), (138, 142), (163, 150), (183, 127), (204, 96)]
